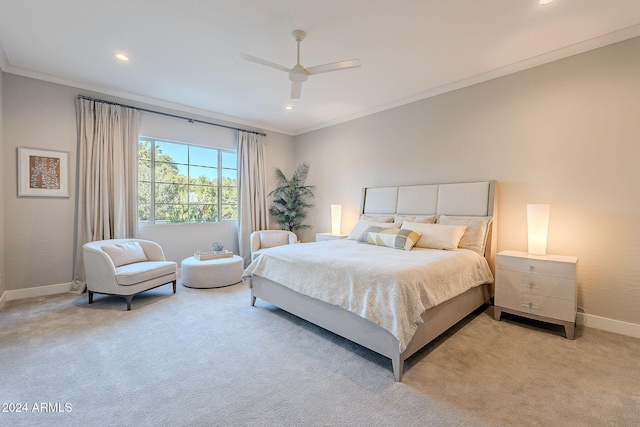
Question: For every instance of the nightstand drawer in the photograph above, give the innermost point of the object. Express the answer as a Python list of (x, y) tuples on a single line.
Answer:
[(544, 267), (536, 284), (536, 304)]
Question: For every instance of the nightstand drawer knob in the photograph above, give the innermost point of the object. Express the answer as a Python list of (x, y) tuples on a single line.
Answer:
[(531, 305), (531, 268)]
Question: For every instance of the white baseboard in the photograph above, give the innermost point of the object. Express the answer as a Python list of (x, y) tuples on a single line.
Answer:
[(609, 325), (38, 291)]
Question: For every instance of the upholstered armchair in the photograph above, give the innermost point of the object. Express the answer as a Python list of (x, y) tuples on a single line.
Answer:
[(265, 239), (126, 267)]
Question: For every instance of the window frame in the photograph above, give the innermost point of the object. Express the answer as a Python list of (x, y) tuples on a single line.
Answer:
[(152, 181)]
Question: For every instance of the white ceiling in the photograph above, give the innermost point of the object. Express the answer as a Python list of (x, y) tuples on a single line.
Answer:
[(183, 52)]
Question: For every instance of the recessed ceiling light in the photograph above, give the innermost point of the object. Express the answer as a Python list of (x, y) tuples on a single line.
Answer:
[(288, 107), (121, 57), (544, 1)]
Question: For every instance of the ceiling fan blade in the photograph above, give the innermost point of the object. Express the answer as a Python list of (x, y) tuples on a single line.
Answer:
[(296, 89), (262, 62), (334, 66)]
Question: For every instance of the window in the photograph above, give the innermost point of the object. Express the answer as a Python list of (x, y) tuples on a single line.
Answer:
[(180, 183)]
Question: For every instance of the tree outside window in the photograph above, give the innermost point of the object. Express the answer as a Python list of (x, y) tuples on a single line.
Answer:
[(182, 183)]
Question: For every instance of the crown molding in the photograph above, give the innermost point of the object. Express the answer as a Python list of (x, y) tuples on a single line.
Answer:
[(127, 96)]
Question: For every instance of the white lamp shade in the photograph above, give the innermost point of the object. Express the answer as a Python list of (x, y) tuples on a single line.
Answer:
[(537, 227), (336, 218)]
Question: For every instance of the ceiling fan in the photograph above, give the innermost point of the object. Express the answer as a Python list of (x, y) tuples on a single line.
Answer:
[(298, 73)]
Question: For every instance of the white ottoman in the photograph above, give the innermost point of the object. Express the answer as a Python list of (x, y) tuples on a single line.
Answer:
[(211, 273)]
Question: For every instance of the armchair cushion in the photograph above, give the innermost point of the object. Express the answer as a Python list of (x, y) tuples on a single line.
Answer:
[(265, 239), (270, 240), (125, 253), (131, 274)]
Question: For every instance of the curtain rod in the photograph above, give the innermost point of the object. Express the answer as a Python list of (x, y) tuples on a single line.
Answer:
[(190, 120)]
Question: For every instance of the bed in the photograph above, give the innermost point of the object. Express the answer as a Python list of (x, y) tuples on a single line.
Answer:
[(389, 300)]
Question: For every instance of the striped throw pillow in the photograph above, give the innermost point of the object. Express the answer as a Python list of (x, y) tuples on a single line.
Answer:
[(390, 237)]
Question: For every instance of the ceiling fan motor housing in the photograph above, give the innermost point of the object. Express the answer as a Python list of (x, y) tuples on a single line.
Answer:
[(298, 74)]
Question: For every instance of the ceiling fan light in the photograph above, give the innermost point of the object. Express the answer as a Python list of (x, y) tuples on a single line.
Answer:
[(121, 57), (298, 74), (298, 77)]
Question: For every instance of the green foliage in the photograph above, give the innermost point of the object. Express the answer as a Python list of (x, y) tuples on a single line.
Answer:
[(178, 197), (291, 199)]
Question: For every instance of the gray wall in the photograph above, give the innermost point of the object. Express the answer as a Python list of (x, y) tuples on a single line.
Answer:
[(566, 133), (39, 232), (2, 251)]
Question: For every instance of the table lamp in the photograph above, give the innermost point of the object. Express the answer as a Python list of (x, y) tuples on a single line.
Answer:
[(537, 227), (336, 217)]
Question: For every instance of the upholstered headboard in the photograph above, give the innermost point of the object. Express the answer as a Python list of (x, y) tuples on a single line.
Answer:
[(459, 199)]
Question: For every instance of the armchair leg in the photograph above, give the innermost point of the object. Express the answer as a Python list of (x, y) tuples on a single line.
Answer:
[(174, 286), (90, 297), (128, 298)]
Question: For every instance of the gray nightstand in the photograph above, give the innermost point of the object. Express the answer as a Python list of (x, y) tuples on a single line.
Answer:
[(538, 287)]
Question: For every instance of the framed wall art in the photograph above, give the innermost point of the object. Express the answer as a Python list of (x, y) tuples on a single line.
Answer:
[(43, 173)]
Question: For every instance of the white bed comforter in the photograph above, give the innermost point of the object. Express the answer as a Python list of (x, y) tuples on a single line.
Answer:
[(389, 287)]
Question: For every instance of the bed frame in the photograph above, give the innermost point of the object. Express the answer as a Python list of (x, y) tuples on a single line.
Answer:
[(463, 199)]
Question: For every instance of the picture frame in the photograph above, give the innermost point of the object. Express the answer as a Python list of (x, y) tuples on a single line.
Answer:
[(43, 173)]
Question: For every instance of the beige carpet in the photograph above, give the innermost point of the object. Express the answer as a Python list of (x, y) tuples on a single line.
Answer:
[(206, 357)]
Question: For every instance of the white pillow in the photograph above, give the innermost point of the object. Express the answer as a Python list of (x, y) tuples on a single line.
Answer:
[(377, 218), (436, 236), (363, 224), (475, 236), (125, 253), (425, 219)]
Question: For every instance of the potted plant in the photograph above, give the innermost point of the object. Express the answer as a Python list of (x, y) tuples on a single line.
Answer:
[(217, 247), (291, 199)]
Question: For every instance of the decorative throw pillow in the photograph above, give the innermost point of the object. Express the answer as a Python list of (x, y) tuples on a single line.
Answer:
[(437, 236), (363, 224), (475, 236), (390, 237), (125, 253)]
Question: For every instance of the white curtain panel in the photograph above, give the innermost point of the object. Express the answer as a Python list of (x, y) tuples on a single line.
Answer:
[(252, 187), (107, 176)]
